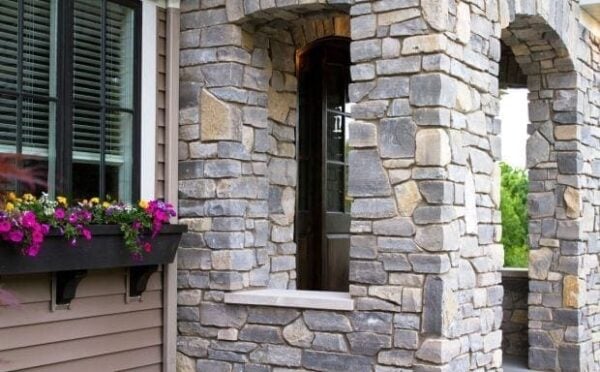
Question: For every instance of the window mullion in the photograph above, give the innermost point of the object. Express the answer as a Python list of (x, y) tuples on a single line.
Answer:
[(64, 112), (102, 188), (20, 26)]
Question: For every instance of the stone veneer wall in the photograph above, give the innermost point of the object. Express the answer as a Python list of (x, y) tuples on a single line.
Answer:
[(515, 319), (425, 249)]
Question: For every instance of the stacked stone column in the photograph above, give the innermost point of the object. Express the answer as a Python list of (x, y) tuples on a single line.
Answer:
[(425, 236), (223, 163)]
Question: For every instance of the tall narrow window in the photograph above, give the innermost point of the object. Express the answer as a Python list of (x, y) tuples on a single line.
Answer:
[(28, 82), (323, 218)]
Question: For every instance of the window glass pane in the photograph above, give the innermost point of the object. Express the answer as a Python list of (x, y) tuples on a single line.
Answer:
[(335, 187), (335, 80), (8, 44), (86, 134), (8, 125), (335, 137), (119, 56), (119, 151), (28, 84), (86, 176), (87, 53), (102, 106), (39, 47)]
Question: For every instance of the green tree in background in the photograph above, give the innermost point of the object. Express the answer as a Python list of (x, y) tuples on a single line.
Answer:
[(513, 206)]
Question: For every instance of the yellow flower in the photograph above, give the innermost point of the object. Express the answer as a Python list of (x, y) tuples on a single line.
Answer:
[(143, 204), (105, 205), (9, 207), (12, 196), (95, 200), (28, 197), (61, 200)]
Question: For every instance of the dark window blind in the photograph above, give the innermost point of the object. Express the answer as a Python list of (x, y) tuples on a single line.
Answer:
[(28, 79), (103, 96)]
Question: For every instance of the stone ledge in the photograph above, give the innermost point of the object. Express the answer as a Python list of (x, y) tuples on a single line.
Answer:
[(322, 300), (514, 272)]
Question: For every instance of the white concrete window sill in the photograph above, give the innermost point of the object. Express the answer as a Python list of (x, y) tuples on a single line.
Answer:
[(321, 300)]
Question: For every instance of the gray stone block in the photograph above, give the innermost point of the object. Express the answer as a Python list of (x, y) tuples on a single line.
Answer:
[(329, 342), (326, 321), (269, 315), (368, 343), (367, 272), (324, 361), (220, 315), (432, 90), (397, 138), (368, 177), (261, 334)]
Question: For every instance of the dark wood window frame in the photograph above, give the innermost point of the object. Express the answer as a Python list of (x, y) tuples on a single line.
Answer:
[(322, 224), (64, 98)]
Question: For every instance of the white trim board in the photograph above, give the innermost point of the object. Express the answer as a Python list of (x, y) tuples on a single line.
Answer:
[(148, 114)]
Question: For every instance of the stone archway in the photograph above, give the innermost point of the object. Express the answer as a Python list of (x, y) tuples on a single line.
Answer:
[(554, 203)]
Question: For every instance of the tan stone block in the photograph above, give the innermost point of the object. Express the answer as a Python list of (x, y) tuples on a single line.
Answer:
[(504, 13), (388, 293), (566, 132), (298, 334), (425, 44), (573, 291), (463, 22), (229, 334), (464, 99), (248, 138), (408, 197), (197, 224), (279, 105), (433, 147), (539, 263), (397, 16), (185, 363), (573, 203), (435, 13), (219, 121)]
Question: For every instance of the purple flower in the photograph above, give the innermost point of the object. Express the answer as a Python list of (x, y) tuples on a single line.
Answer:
[(15, 236), (87, 234), (28, 219), (4, 226), (33, 250), (59, 213)]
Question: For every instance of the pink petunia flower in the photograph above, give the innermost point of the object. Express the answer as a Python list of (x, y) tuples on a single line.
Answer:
[(59, 213), (15, 236), (4, 226)]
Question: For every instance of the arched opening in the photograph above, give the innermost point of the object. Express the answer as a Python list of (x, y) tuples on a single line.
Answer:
[(514, 182), (535, 49), (323, 210)]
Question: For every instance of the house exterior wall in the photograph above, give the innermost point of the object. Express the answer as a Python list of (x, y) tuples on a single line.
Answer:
[(102, 329), (99, 329), (425, 248)]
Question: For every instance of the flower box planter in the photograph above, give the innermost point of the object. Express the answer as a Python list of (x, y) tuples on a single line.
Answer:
[(105, 250)]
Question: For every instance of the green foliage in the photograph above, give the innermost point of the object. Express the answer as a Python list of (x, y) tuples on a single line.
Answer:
[(514, 216)]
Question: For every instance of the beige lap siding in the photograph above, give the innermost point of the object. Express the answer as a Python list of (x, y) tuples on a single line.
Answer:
[(99, 332)]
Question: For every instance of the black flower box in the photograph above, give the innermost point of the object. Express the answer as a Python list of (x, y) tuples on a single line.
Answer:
[(105, 250)]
